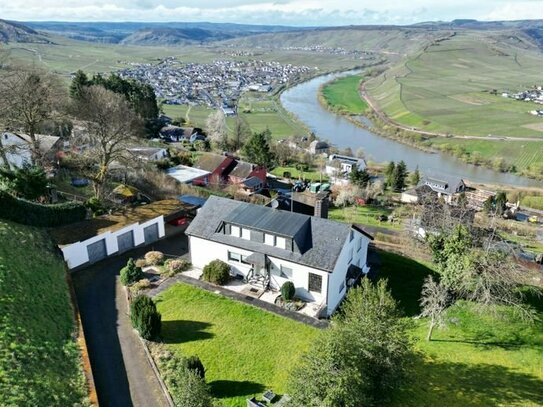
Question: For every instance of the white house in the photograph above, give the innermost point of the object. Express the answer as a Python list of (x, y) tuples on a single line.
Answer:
[(149, 153), (18, 150), (268, 246), (339, 167)]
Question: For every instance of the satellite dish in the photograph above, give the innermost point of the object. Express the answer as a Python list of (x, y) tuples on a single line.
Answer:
[(275, 204)]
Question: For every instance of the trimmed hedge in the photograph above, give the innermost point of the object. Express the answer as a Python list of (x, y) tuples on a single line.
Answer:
[(216, 272), (35, 214)]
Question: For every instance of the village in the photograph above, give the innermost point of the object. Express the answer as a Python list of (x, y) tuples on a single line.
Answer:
[(218, 84)]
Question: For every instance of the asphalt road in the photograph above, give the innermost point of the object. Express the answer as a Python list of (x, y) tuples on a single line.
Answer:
[(122, 373)]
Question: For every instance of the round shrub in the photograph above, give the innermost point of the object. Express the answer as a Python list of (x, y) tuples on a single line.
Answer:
[(195, 364), (145, 318), (141, 263), (154, 258), (143, 284), (131, 273), (177, 265), (288, 290), (217, 272)]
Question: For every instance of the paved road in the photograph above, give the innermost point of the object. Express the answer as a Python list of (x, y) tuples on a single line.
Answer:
[(122, 373)]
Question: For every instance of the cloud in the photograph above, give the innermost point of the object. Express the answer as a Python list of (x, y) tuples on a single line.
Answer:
[(292, 12)]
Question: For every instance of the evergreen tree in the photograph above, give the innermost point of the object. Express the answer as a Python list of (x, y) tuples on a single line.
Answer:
[(415, 177), (79, 82), (257, 149), (144, 317), (359, 177), (389, 172), (399, 175)]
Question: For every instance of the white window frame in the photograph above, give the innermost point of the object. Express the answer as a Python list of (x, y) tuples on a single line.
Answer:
[(235, 231), (280, 242), (269, 239), (245, 233)]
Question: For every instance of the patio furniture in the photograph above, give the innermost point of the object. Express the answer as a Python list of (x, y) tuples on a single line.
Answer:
[(268, 396), (254, 403)]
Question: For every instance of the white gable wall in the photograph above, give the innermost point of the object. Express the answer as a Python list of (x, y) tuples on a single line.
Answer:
[(18, 150), (358, 246)]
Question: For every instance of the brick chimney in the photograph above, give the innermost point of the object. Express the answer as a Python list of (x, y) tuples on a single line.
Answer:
[(321, 205)]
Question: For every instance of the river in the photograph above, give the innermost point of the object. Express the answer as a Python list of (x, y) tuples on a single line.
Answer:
[(302, 101)]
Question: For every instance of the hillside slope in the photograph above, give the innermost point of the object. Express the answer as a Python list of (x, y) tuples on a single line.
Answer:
[(39, 358), (171, 36), (15, 32)]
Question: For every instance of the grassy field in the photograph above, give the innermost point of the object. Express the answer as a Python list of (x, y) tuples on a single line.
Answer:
[(39, 358), (342, 95), (245, 350), (526, 156), (475, 360), (313, 174), (261, 113), (447, 89), (363, 215)]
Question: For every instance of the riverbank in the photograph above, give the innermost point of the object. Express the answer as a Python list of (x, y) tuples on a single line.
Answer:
[(424, 141)]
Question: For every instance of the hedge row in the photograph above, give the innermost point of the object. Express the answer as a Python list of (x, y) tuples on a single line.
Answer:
[(35, 214)]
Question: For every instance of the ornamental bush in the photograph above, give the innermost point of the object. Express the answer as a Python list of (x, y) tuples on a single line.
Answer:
[(195, 364), (145, 318), (154, 258), (288, 290), (175, 266), (217, 272), (131, 273)]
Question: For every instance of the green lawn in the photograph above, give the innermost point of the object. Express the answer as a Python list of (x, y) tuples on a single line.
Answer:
[(475, 360), (245, 350), (312, 174), (363, 215), (342, 95), (39, 358)]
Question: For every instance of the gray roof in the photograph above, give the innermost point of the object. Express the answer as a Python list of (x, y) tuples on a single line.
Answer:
[(261, 218), (323, 238), (443, 183)]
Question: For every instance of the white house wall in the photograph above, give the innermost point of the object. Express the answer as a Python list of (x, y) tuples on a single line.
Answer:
[(76, 254), (338, 277), (203, 251)]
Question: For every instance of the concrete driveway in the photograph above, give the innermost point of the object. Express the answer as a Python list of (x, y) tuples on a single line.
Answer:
[(122, 373)]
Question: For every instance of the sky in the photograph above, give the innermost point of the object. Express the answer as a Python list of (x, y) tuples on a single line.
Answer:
[(274, 12)]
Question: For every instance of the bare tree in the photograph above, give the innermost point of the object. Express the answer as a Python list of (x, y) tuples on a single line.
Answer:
[(111, 125), (434, 301), (216, 128), (242, 131), (28, 98)]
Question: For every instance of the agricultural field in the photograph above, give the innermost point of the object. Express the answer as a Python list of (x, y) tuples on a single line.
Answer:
[(39, 357), (475, 360), (526, 156), (245, 350), (260, 114), (448, 87), (342, 95)]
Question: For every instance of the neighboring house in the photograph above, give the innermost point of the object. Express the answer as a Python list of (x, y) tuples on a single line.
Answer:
[(226, 170), (319, 147), (244, 170), (445, 186), (149, 153), (185, 174), (268, 246), (218, 168), (197, 137), (339, 167), (18, 148), (176, 134), (253, 184)]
